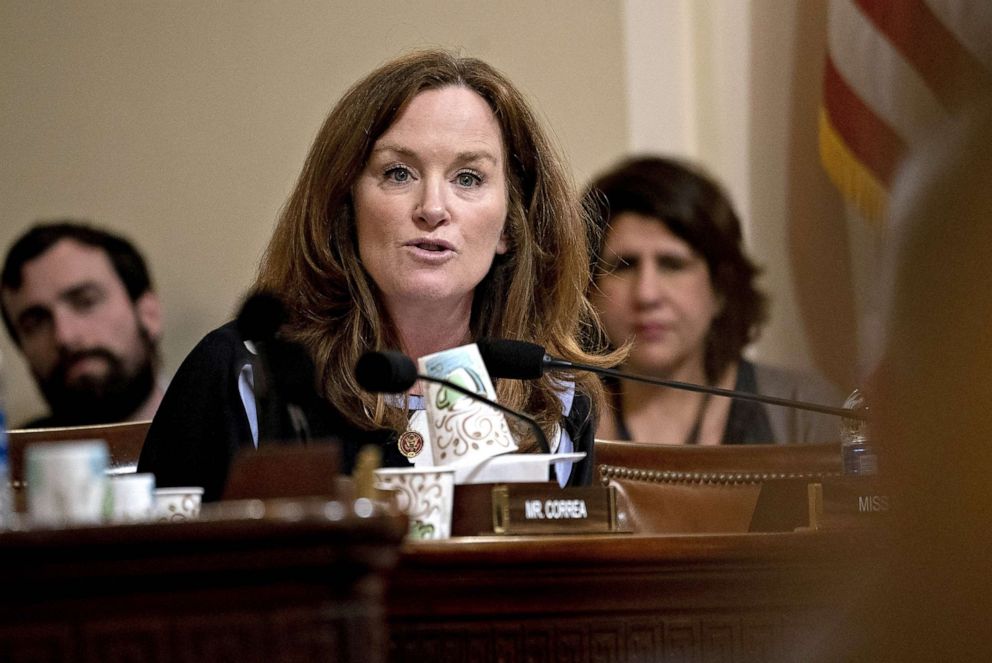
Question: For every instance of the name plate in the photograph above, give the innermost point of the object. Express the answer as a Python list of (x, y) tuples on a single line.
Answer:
[(548, 509), (816, 503), (847, 502)]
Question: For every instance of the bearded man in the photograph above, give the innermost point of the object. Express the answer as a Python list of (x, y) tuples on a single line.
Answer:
[(78, 303)]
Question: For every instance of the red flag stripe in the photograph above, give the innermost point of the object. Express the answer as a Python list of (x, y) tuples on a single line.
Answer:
[(948, 68), (879, 74), (869, 138)]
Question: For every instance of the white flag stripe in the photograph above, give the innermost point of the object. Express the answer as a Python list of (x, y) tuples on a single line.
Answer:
[(879, 75), (970, 23)]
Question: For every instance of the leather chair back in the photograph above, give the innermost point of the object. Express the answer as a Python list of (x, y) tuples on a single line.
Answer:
[(124, 441), (687, 490)]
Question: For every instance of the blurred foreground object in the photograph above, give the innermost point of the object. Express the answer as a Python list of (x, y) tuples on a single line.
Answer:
[(933, 397)]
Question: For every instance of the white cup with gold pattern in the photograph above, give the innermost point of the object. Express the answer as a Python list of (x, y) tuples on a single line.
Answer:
[(463, 429), (425, 495), (178, 504)]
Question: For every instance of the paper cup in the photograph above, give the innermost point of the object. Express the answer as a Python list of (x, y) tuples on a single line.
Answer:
[(66, 483), (425, 495), (132, 498), (178, 504), (462, 428)]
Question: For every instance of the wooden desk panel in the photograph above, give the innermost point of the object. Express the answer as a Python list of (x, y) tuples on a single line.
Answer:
[(749, 597), (302, 590), (241, 591)]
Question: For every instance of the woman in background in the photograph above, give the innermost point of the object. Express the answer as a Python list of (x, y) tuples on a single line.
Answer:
[(673, 281), (431, 211)]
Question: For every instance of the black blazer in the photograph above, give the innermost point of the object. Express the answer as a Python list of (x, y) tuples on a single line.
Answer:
[(201, 423)]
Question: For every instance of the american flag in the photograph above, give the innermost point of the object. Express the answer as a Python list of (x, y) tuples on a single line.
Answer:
[(895, 69)]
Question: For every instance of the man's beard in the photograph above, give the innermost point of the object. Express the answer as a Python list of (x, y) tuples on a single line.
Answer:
[(104, 399)]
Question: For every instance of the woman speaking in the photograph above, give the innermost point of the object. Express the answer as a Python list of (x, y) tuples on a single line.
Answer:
[(431, 211)]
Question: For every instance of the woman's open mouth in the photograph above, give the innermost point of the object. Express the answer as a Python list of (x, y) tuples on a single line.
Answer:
[(430, 249), (430, 246)]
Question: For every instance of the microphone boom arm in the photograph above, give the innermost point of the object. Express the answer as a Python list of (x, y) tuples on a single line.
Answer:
[(561, 364)]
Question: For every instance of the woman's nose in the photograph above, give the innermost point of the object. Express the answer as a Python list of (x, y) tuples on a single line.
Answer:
[(648, 288), (433, 207)]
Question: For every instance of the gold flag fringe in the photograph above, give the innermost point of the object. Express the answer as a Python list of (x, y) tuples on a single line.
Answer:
[(856, 183)]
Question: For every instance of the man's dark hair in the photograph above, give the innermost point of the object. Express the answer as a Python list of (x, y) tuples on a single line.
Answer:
[(127, 261)]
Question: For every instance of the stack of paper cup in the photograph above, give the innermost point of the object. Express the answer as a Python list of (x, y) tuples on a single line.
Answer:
[(461, 431)]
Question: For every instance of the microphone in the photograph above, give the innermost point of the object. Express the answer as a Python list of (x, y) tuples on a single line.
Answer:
[(393, 372), (278, 392), (521, 360), (260, 317)]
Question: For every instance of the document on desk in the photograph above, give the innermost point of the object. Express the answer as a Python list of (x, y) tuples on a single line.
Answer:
[(510, 468)]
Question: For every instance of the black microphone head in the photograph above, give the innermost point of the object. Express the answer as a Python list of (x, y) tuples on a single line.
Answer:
[(389, 371), (292, 371), (261, 316), (516, 360)]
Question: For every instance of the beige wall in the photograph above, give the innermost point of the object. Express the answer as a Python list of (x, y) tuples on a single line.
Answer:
[(184, 124)]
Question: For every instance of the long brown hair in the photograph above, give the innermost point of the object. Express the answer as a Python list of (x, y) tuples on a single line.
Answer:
[(534, 292)]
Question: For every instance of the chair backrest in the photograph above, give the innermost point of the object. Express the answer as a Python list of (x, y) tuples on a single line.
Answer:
[(702, 489), (285, 471), (124, 441)]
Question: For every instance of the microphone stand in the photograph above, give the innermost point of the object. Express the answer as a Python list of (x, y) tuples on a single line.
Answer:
[(561, 364), (280, 394), (266, 395)]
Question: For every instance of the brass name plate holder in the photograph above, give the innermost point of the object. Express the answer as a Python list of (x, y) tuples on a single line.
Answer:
[(548, 509), (825, 502), (848, 501)]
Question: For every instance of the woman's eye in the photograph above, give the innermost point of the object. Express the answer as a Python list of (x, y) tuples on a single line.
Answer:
[(398, 174), (622, 264), (468, 179), (672, 263)]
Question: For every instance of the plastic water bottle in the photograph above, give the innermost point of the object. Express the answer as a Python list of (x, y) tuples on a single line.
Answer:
[(858, 454), (6, 494)]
